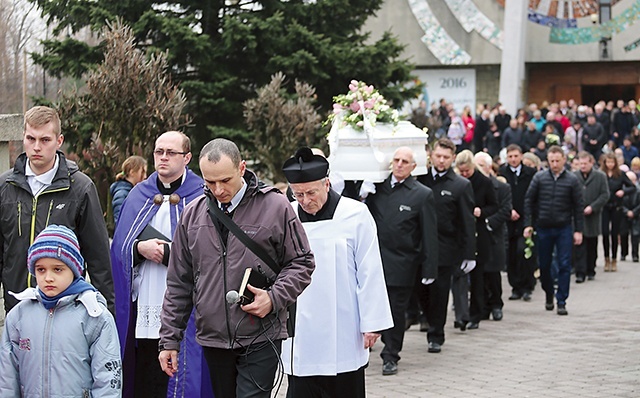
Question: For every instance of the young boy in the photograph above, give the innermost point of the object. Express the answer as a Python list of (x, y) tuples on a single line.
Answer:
[(60, 340)]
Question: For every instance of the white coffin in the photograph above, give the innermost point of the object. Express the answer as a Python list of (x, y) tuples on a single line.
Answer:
[(359, 155)]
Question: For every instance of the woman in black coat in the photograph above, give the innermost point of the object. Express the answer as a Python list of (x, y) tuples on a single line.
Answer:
[(486, 204), (619, 186)]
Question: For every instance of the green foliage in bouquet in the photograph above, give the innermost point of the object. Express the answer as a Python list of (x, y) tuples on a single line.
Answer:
[(528, 250), (362, 101)]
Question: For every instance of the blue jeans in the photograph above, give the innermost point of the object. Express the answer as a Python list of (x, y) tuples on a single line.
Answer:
[(560, 238)]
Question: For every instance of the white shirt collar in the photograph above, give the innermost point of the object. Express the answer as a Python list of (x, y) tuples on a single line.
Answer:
[(435, 172), (41, 181), (395, 181), (516, 169), (235, 201)]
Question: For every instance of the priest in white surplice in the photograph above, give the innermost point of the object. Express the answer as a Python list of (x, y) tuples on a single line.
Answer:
[(341, 312)]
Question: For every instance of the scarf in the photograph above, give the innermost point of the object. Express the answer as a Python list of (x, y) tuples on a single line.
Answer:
[(78, 286)]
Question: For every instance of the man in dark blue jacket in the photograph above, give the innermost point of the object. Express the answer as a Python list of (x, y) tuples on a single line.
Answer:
[(555, 198)]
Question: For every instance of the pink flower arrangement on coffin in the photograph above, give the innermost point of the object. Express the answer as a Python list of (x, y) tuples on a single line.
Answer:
[(361, 101)]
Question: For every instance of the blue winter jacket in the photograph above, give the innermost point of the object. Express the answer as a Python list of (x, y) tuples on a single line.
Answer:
[(119, 191), (71, 350)]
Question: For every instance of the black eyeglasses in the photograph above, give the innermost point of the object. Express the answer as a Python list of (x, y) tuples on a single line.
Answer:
[(169, 152)]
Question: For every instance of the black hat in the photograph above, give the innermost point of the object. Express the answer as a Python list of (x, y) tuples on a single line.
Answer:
[(304, 166)]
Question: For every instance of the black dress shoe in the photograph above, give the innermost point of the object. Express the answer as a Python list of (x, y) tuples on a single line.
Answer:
[(473, 325), (562, 310), (515, 296), (389, 368), (410, 321), (591, 277), (460, 325), (526, 296), (497, 314), (434, 347), (579, 278), (635, 259), (549, 305)]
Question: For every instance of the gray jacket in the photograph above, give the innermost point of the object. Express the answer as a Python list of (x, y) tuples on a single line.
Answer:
[(71, 350), (596, 195), (202, 269)]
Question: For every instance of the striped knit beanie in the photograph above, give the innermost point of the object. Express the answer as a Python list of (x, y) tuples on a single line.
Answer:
[(59, 242)]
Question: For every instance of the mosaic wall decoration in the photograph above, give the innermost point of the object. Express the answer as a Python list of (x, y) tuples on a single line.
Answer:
[(471, 18), (437, 40), (632, 46), (563, 9), (598, 31)]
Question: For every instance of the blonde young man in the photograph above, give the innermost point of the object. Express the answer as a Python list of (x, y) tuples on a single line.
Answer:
[(45, 188)]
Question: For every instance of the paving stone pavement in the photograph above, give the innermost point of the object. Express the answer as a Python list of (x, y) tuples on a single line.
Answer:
[(592, 352)]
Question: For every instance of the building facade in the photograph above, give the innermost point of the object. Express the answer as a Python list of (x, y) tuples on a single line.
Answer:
[(586, 50)]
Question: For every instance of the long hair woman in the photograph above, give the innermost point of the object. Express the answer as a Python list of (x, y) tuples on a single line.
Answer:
[(619, 186), (134, 170)]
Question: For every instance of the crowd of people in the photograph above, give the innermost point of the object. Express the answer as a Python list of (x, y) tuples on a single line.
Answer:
[(216, 284)]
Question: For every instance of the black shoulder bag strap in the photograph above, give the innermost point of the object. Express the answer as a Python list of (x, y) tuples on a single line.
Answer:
[(216, 214)]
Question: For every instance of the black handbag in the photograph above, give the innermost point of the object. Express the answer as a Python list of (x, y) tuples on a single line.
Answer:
[(216, 214)]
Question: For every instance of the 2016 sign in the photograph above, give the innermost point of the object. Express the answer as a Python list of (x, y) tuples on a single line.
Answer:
[(451, 82)]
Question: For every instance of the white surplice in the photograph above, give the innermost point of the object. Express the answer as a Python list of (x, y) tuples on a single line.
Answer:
[(347, 295), (150, 281)]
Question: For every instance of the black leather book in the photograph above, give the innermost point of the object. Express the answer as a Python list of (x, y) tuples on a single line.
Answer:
[(255, 279)]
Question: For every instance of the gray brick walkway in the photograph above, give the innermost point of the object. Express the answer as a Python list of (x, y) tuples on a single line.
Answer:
[(592, 352)]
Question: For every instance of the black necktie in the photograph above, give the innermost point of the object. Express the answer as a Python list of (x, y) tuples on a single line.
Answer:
[(223, 229)]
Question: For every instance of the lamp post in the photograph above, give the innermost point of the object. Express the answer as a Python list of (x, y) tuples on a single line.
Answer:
[(603, 43)]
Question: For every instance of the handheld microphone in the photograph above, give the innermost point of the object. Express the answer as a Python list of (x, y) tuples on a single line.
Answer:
[(232, 297)]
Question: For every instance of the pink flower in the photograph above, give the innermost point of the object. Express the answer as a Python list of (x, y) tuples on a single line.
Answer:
[(368, 89), (368, 104), (337, 108), (360, 123), (355, 107)]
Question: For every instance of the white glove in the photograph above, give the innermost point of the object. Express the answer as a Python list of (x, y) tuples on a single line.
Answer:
[(467, 266), (426, 281), (367, 187)]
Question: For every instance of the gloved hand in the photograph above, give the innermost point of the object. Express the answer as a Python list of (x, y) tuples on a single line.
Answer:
[(467, 266), (367, 187), (426, 281)]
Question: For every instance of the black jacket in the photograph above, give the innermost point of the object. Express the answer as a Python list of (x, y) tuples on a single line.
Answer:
[(594, 132), (456, 225), (530, 139), (519, 185), (485, 198), (407, 230), (554, 202), (622, 182), (71, 200), (497, 223)]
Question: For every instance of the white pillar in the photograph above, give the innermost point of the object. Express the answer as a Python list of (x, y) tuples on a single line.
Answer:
[(513, 53)]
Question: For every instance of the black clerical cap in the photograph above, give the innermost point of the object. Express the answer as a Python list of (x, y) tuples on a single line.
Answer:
[(304, 166)]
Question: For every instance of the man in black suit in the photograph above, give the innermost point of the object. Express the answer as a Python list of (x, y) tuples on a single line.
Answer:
[(405, 215), (496, 224), (519, 270), (456, 236), (486, 205)]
